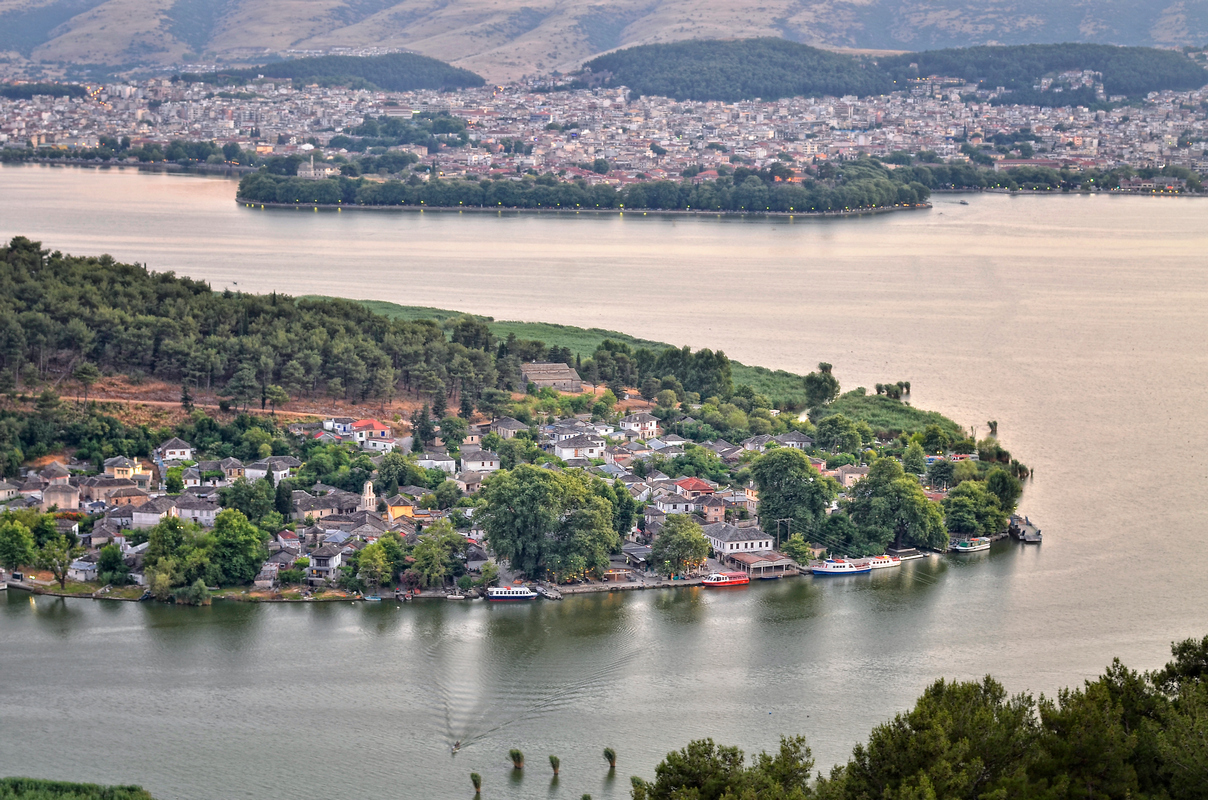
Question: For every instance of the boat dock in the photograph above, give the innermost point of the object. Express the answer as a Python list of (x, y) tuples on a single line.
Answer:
[(1021, 528), (548, 592)]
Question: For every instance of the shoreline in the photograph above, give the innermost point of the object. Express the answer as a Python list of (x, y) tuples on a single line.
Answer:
[(35, 590), (499, 210)]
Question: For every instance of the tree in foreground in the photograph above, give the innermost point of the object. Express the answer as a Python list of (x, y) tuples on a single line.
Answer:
[(517, 758), (555, 763), (547, 522), (86, 374), (681, 546), (890, 506), (821, 387), (36, 789), (16, 545), (476, 779), (610, 756), (707, 771), (57, 555), (790, 488)]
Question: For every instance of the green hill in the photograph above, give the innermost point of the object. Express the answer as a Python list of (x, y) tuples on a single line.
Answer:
[(774, 68), (1133, 71), (738, 70), (394, 72), (24, 91)]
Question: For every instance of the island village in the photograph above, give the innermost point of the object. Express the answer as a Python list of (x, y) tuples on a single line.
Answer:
[(313, 539)]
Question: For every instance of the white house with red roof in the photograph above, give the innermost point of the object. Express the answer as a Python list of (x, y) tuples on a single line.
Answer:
[(373, 434), (695, 487)]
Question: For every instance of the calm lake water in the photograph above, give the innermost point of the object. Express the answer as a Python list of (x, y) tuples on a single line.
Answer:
[(1079, 323)]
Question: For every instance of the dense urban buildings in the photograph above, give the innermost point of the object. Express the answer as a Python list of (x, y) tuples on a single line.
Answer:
[(521, 128)]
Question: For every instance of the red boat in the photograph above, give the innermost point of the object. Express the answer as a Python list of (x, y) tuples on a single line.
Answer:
[(721, 579)]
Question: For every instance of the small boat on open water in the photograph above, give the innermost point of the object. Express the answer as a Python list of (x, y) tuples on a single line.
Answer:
[(840, 566), (722, 579)]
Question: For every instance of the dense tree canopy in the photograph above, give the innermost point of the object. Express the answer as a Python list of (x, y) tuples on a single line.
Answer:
[(1132, 71), (680, 546), (890, 506), (858, 185), (737, 69), (542, 521), (1120, 735), (394, 72), (790, 488)]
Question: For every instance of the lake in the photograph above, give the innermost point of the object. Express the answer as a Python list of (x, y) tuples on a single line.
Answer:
[(1079, 323)]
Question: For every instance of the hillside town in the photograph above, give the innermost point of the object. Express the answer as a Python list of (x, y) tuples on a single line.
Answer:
[(117, 503), (526, 128)]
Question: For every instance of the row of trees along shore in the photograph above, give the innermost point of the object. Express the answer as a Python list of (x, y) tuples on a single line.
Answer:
[(865, 185), (1121, 735)]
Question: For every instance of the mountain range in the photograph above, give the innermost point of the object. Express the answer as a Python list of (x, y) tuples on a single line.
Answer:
[(505, 39)]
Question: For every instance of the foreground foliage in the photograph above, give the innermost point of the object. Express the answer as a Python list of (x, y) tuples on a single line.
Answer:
[(35, 789), (1121, 735)]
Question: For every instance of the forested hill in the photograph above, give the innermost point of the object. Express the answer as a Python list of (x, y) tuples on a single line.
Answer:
[(738, 70), (395, 72), (774, 68), (1133, 71)]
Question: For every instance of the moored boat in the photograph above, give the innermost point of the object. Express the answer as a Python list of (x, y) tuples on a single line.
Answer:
[(722, 579), (503, 594), (883, 562), (971, 545), (840, 566)]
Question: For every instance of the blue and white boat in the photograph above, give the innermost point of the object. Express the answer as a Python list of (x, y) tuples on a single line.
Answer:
[(840, 566), (506, 594)]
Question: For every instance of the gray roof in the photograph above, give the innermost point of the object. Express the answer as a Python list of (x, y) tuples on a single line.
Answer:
[(187, 502), (581, 441), (157, 505), (725, 532)]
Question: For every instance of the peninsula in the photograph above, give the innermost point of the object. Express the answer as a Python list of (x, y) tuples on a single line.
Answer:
[(280, 448)]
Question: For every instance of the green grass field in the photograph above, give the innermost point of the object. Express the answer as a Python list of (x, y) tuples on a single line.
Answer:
[(885, 415), (882, 413), (777, 385)]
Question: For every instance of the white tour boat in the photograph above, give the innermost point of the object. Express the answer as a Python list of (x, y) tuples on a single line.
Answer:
[(884, 562), (839, 566), (503, 594)]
